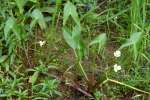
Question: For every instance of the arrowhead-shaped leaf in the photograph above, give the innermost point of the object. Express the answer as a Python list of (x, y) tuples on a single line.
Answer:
[(8, 26), (70, 10), (38, 16), (134, 38), (72, 37), (20, 4), (100, 39), (3, 58), (68, 38)]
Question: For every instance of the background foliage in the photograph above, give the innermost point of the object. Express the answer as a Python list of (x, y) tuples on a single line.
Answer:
[(79, 38)]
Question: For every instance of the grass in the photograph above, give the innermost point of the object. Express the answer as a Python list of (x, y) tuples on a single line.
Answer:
[(64, 49)]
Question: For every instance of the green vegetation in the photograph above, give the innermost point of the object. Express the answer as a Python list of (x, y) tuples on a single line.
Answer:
[(74, 50)]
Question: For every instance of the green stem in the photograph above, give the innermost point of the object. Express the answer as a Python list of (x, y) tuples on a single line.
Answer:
[(84, 73), (123, 84), (81, 67)]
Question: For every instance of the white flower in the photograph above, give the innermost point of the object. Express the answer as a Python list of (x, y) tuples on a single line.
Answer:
[(117, 67), (117, 53), (41, 43)]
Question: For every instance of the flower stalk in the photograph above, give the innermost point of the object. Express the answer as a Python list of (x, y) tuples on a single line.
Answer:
[(123, 84)]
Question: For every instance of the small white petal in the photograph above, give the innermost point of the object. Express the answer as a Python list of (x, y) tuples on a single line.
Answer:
[(117, 53), (115, 70), (41, 43), (117, 67)]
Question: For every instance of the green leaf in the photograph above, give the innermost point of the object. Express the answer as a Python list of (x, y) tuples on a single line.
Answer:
[(3, 95), (76, 32), (3, 58), (34, 1), (100, 39), (20, 4), (33, 78), (33, 23), (76, 35), (49, 10), (8, 26), (70, 10), (52, 67), (72, 37), (81, 50), (38, 16), (17, 31), (69, 39), (134, 38)]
